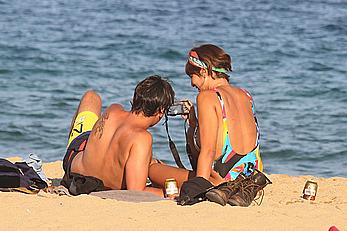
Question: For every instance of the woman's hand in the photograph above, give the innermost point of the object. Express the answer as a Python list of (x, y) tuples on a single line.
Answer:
[(191, 117)]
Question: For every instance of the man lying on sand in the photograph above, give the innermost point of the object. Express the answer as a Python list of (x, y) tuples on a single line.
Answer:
[(114, 150)]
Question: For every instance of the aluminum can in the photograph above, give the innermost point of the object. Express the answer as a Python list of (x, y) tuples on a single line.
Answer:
[(310, 190), (171, 189)]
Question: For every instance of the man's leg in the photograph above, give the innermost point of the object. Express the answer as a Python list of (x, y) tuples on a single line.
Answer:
[(87, 114), (90, 101), (158, 173)]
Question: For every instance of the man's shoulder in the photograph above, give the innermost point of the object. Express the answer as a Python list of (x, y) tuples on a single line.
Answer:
[(116, 111), (115, 107), (141, 143), (141, 136)]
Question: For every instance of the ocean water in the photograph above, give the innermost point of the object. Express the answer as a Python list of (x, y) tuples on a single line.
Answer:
[(291, 55)]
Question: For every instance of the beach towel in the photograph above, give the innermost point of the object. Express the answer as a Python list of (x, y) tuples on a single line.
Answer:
[(128, 195)]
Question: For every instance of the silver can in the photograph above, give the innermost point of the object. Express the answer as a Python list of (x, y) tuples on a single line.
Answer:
[(171, 189), (310, 190)]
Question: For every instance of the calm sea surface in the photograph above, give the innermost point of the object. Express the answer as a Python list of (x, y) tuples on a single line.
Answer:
[(291, 55)]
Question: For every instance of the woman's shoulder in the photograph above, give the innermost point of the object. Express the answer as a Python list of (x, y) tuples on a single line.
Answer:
[(206, 93), (240, 92), (248, 94), (206, 96)]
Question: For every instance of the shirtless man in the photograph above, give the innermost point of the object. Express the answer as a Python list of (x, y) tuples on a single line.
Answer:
[(114, 150)]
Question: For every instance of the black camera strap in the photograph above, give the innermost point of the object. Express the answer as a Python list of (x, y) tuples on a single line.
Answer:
[(193, 162), (173, 146)]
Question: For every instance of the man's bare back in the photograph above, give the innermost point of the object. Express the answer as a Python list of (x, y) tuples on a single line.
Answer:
[(118, 148)]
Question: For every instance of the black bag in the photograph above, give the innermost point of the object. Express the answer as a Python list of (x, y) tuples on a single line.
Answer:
[(18, 175), (9, 174), (193, 191)]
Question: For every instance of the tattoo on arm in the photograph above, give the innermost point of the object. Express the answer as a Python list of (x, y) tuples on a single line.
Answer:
[(99, 126)]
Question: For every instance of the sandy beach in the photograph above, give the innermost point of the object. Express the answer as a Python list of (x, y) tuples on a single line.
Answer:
[(282, 209)]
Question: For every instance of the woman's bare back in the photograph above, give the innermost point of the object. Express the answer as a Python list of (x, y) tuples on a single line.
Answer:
[(240, 120)]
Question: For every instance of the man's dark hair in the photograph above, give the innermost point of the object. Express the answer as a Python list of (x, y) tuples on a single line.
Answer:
[(152, 95)]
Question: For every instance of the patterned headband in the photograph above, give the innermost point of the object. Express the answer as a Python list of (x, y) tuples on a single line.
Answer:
[(195, 61)]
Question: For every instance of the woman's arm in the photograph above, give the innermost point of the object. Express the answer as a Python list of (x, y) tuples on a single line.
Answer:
[(192, 147), (191, 142), (208, 128)]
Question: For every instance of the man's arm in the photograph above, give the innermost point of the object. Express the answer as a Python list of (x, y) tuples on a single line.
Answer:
[(137, 166)]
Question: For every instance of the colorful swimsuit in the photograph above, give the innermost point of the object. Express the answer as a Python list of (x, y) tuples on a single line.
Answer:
[(230, 164)]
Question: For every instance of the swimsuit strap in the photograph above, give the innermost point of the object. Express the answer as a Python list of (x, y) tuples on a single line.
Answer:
[(254, 114), (226, 139), (221, 103), (250, 99)]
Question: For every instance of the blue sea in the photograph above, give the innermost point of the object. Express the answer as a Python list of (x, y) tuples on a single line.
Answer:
[(290, 54)]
